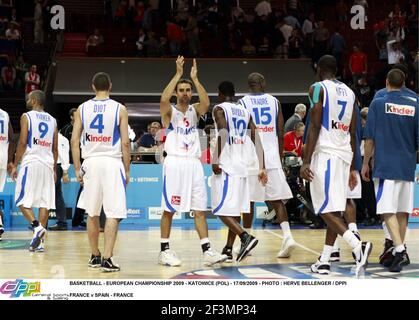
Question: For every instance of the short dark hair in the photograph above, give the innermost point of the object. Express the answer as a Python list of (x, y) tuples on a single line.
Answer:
[(184, 81), (102, 81), (396, 78), (255, 80), (401, 67), (328, 64), (72, 111), (227, 88), (39, 96)]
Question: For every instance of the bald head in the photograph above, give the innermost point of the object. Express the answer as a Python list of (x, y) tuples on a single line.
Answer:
[(256, 82)]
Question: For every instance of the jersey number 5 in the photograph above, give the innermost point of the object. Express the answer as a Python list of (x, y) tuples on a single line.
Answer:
[(262, 113), (1, 126), (97, 123)]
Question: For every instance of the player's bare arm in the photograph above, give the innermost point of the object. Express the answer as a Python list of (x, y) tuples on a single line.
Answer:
[(75, 143), (204, 102), (280, 131), (21, 146), (165, 107), (368, 153), (221, 122), (125, 143), (11, 150), (352, 129), (254, 135), (55, 152), (313, 134)]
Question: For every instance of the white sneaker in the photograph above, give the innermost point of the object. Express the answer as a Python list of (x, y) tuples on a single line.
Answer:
[(169, 258), (320, 267), (288, 246), (38, 234), (212, 257), (236, 250), (362, 263), (1, 231)]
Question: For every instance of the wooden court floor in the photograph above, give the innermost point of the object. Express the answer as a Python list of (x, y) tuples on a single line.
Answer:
[(67, 253)]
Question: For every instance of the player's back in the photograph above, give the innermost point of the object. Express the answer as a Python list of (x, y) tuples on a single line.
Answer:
[(234, 157), (41, 129), (338, 104), (406, 91), (101, 128), (264, 110), (4, 138)]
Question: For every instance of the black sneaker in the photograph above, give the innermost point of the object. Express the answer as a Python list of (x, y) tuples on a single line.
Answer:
[(58, 227), (109, 266), (406, 260), (246, 247), (398, 260), (1, 231), (95, 261), (229, 253), (320, 267), (388, 244), (335, 256)]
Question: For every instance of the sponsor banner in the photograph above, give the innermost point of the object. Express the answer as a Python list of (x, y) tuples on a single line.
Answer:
[(155, 213)]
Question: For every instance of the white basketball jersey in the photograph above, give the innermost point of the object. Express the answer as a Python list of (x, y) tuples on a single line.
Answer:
[(182, 137), (101, 132), (234, 156), (41, 129), (338, 104), (4, 139), (264, 109)]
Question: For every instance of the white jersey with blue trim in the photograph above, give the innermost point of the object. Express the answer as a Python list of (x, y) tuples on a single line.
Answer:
[(182, 137), (4, 139), (264, 110), (101, 133), (41, 129), (338, 106), (234, 156)]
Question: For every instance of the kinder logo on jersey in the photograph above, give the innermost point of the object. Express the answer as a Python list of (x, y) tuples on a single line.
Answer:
[(339, 126), (235, 140), (400, 110), (20, 288), (266, 129), (3, 138), (415, 212), (176, 200), (42, 143), (93, 138)]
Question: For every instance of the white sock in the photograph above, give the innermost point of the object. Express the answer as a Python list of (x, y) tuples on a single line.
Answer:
[(204, 241), (336, 246), (162, 240), (353, 227), (400, 248), (327, 251), (248, 230), (386, 232), (350, 238), (285, 226), (1, 221)]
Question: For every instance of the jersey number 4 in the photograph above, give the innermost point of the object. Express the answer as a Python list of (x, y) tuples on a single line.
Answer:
[(97, 123)]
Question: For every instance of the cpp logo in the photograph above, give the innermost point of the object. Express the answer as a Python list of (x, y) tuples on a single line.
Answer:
[(20, 287)]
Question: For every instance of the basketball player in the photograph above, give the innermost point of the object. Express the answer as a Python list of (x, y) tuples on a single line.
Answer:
[(392, 139), (101, 124), (267, 115), (6, 154), (38, 150), (356, 193), (328, 162), (183, 175), (230, 190)]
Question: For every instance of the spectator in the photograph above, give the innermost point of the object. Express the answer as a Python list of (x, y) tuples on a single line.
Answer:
[(412, 21), (357, 64), (286, 32), (139, 14), (148, 139), (338, 47), (8, 76), (192, 35), (14, 18), (4, 23), (320, 40), (298, 116), (397, 15), (293, 8), (32, 81), (152, 45), (236, 12), (12, 33), (248, 49), (363, 92), (293, 140), (21, 68), (121, 14), (175, 37), (308, 28), (394, 52), (263, 8), (39, 21), (163, 49), (94, 41), (140, 43), (264, 49), (292, 21), (210, 142), (294, 48), (342, 11)]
